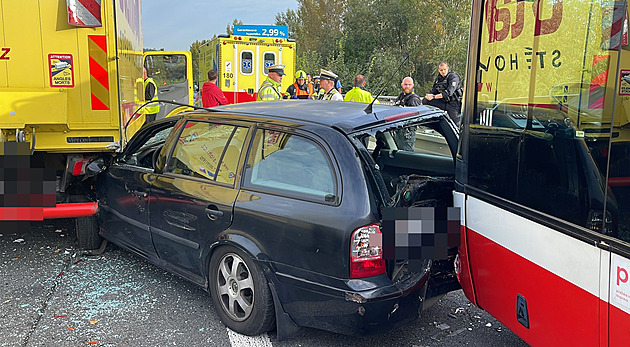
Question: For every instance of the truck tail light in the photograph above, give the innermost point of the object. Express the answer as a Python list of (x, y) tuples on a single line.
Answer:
[(366, 252)]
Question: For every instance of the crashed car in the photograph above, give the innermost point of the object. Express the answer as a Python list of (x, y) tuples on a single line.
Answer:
[(271, 208)]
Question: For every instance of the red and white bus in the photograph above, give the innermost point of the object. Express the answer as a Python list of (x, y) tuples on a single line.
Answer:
[(543, 170)]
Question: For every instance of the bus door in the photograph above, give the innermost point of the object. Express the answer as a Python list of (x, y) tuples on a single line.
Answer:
[(545, 226), (172, 73)]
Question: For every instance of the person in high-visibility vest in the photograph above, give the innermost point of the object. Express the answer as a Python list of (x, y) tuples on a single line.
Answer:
[(358, 93), (150, 94), (327, 82), (299, 90), (270, 88)]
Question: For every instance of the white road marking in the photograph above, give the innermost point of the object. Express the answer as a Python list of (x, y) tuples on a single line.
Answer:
[(239, 340)]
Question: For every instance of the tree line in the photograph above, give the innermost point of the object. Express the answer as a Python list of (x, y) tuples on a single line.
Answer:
[(373, 38)]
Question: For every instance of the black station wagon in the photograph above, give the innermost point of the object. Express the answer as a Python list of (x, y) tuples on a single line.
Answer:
[(271, 206)]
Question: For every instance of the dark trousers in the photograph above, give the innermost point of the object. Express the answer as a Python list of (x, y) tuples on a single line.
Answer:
[(453, 108)]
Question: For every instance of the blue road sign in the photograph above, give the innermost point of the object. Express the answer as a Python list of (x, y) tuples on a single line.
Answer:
[(262, 31)]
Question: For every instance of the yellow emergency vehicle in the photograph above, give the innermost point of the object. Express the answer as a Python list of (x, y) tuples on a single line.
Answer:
[(71, 77), (242, 62)]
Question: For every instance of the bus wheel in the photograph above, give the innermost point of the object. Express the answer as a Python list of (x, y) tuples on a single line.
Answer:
[(88, 232)]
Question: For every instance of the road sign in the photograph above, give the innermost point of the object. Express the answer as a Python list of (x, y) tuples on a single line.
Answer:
[(262, 31)]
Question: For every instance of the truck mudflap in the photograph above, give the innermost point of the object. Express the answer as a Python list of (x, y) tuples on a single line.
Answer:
[(69, 210)]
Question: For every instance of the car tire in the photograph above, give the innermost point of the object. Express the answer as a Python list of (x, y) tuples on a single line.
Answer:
[(240, 292), (87, 231)]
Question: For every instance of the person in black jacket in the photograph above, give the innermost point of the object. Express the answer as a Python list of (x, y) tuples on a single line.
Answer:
[(447, 92), (405, 138), (407, 97)]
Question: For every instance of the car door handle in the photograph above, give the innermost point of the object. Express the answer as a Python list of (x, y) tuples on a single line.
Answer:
[(213, 212)]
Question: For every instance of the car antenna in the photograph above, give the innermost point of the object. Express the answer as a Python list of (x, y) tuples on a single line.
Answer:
[(368, 109)]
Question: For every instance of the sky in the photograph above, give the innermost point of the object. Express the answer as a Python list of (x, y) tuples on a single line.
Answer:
[(174, 25)]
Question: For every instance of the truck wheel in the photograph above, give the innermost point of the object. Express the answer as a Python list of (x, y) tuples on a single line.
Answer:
[(87, 232), (240, 292)]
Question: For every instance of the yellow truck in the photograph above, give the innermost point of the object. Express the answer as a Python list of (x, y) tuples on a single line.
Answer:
[(583, 75), (242, 60), (71, 78)]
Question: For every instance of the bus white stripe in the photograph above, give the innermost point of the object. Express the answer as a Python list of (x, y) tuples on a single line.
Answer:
[(565, 256)]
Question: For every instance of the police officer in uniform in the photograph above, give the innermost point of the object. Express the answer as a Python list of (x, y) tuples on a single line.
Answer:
[(447, 92), (327, 82), (405, 138), (270, 89), (407, 97)]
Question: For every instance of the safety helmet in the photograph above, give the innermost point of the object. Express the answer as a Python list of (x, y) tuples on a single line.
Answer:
[(300, 74)]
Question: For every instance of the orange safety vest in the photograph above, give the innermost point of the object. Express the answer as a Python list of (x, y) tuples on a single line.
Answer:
[(299, 91), (311, 89)]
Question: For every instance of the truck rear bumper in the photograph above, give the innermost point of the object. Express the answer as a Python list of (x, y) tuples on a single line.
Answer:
[(69, 210)]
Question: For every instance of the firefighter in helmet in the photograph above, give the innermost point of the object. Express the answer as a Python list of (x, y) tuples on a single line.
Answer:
[(299, 89)]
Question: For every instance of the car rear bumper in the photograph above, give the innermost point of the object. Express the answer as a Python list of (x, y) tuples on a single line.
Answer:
[(382, 308)]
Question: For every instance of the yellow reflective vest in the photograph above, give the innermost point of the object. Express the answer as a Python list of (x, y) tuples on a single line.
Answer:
[(155, 107)]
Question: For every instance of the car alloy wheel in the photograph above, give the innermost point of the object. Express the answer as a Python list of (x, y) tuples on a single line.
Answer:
[(235, 287), (240, 292)]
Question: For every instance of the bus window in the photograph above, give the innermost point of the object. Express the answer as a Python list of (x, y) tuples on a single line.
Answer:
[(540, 108)]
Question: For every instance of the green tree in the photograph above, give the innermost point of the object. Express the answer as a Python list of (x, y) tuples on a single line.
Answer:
[(194, 51), (229, 29)]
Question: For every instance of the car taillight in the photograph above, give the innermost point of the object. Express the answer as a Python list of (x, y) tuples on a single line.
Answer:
[(366, 252)]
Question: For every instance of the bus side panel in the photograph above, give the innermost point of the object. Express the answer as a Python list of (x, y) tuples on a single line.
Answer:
[(556, 274), (619, 301), (462, 268)]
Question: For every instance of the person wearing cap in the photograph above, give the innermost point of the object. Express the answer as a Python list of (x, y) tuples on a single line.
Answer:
[(270, 88), (358, 93), (299, 88), (327, 83)]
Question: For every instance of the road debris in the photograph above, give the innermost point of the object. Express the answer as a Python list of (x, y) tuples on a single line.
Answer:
[(457, 332), (443, 326), (489, 325), (18, 240)]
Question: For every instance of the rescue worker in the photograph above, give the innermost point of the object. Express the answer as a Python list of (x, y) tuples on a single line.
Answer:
[(407, 97), (327, 82), (150, 94), (270, 88), (211, 94), (358, 93), (447, 92), (299, 88), (405, 138), (309, 85)]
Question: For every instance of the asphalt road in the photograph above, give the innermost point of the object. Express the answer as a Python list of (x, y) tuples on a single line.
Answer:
[(50, 294)]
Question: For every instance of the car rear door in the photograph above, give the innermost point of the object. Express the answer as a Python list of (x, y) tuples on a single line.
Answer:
[(193, 197)]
